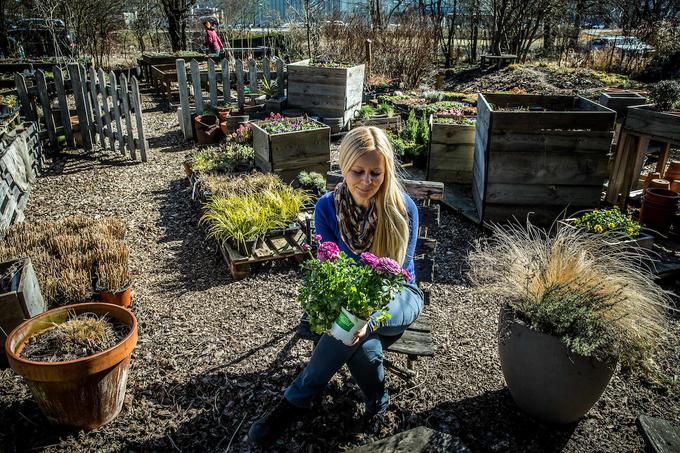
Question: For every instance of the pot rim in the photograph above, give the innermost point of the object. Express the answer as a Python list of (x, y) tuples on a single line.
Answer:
[(120, 290), (40, 371)]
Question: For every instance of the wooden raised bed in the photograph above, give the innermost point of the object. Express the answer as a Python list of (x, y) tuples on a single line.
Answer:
[(451, 153), (661, 126), (326, 92), (289, 153), (539, 161), (619, 101)]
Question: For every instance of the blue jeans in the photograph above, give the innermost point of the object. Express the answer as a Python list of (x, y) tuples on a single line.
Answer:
[(364, 360)]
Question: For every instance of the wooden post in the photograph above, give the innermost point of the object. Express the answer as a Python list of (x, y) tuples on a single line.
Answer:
[(47, 110), (96, 107), (107, 112), (88, 104), (279, 76), (137, 103), (74, 73), (63, 105), (196, 84), (22, 92), (240, 90), (226, 82), (116, 113), (369, 56), (128, 121), (266, 70), (663, 158), (212, 82), (184, 98), (252, 75)]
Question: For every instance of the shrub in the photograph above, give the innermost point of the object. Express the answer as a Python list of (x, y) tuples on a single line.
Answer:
[(589, 294), (385, 109), (665, 93), (312, 179)]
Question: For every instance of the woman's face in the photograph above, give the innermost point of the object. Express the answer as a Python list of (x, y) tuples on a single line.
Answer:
[(365, 177)]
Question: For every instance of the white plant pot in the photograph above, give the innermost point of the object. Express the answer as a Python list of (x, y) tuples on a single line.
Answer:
[(346, 325)]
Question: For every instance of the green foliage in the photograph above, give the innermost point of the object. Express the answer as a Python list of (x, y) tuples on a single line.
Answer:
[(270, 89), (513, 67), (366, 112), (459, 120), (412, 125), (331, 285), (433, 96), (413, 139), (608, 221), (283, 125), (611, 79), (423, 131), (247, 183), (665, 94), (312, 179), (222, 159), (385, 109)]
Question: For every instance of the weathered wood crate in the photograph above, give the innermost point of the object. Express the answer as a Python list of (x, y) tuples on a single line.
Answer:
[(619, 101), (661, 126), (289, 153), (451, 154), (23, 300), (549, 155), (383, 122), (326, 92)]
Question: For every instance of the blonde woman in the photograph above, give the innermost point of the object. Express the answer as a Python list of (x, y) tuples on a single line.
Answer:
[(369, 211)]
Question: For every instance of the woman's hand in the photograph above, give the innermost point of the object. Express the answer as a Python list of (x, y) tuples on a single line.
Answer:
[(361, 333)]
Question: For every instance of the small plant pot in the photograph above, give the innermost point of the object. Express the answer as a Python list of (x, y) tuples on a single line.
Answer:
[(207, 129), (84, 393), (246, 248), (188, 168), (77, 136), (346, 325), (658, 208), (223, 112), (120, 297), (279, 232)]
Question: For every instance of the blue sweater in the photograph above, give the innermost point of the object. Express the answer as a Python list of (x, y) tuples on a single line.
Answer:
[(326, 223)]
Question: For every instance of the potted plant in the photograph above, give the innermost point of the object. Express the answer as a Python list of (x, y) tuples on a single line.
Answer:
[(75, 360), (288, 145), (222, 109), (659, 119), (381, 116), (113, 283), (573, 306), (339, 294), (616, 228), (312, 182)]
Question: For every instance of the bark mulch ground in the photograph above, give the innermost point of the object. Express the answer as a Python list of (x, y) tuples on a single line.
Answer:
[(213, 353)]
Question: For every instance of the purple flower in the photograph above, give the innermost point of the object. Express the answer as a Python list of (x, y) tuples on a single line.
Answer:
[(317, 237), (407, 275), (370, 259), (388, 266), (327, 251), (306, 247)]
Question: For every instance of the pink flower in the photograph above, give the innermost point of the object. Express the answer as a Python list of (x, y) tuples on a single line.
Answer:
[(407, 275), (370, 259), (306, 247), (388, 266), (327, 251), (317, 237)]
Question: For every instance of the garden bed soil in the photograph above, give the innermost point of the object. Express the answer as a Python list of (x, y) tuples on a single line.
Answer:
[(213, 353)]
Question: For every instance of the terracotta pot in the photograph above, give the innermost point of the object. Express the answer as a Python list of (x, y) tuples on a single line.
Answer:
[(545, 379), (207, 129), (649, 177), (84, 393), (673, 171), (659, 184), (223, 112), (658, 208), (224, 127), (120, 298), (675, 185), (77, 136)]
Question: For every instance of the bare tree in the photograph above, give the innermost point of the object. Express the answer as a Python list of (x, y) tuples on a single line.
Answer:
[(176, 12)]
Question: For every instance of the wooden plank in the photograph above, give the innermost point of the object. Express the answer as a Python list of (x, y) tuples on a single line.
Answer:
[(76, 86), (658, 125), (532, 121), (413, 342), (279, 77), (331, 92), (417, 440), (184, 99), (212, 83), (266, 70), (142, 144), (27, 108), (106, 114), (252, 75), (428, 216), (63, 105), (196, 86), (425, 246), (96, 107), (116, 112), (47, 108), (240, 87), (88, 105), (597, 142), (543, 195), (555, 168), (660, 435), (128, 116), (226, 82)]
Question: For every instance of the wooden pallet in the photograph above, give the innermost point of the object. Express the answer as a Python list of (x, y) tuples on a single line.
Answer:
[(10, 123), (289, 246)]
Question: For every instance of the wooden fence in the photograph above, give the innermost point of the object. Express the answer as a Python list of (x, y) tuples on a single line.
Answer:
[(223, 80), (106, 109)]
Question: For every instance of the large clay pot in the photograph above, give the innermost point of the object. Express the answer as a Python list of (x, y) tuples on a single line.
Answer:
[(84, 393), (207, 129), (545, 379), (673, 171), (658, 208), (659, 184)]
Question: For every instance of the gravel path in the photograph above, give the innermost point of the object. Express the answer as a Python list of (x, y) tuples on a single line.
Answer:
[(213, 353)]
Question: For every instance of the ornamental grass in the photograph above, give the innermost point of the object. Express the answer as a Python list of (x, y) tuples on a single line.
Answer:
[(593, 296)]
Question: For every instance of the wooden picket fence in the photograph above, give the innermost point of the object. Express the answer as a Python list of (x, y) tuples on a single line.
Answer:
[(223, 79), (100, 104)]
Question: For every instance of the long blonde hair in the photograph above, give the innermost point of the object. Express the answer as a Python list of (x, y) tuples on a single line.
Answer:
[(391, 232)]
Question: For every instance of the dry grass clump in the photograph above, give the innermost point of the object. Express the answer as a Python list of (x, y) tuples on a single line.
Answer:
[(81, 336), (242, 184), (595, 297), (68, 254)]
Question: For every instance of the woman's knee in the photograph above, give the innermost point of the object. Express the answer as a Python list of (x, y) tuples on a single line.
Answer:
[(371, 350)]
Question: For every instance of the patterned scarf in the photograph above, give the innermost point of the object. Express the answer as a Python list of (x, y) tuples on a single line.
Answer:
[(357, 224)]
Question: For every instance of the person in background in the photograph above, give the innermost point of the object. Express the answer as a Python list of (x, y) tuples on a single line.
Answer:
[(212, 40)]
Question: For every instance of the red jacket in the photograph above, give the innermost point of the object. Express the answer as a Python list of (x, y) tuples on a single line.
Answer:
[(212, 41)]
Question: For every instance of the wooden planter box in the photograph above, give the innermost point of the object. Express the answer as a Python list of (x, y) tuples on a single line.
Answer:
[(326, 92), (451, 154), (662, 126), (620, 101), (539, 161), (644, 240), (290, 153), (22, 302)]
